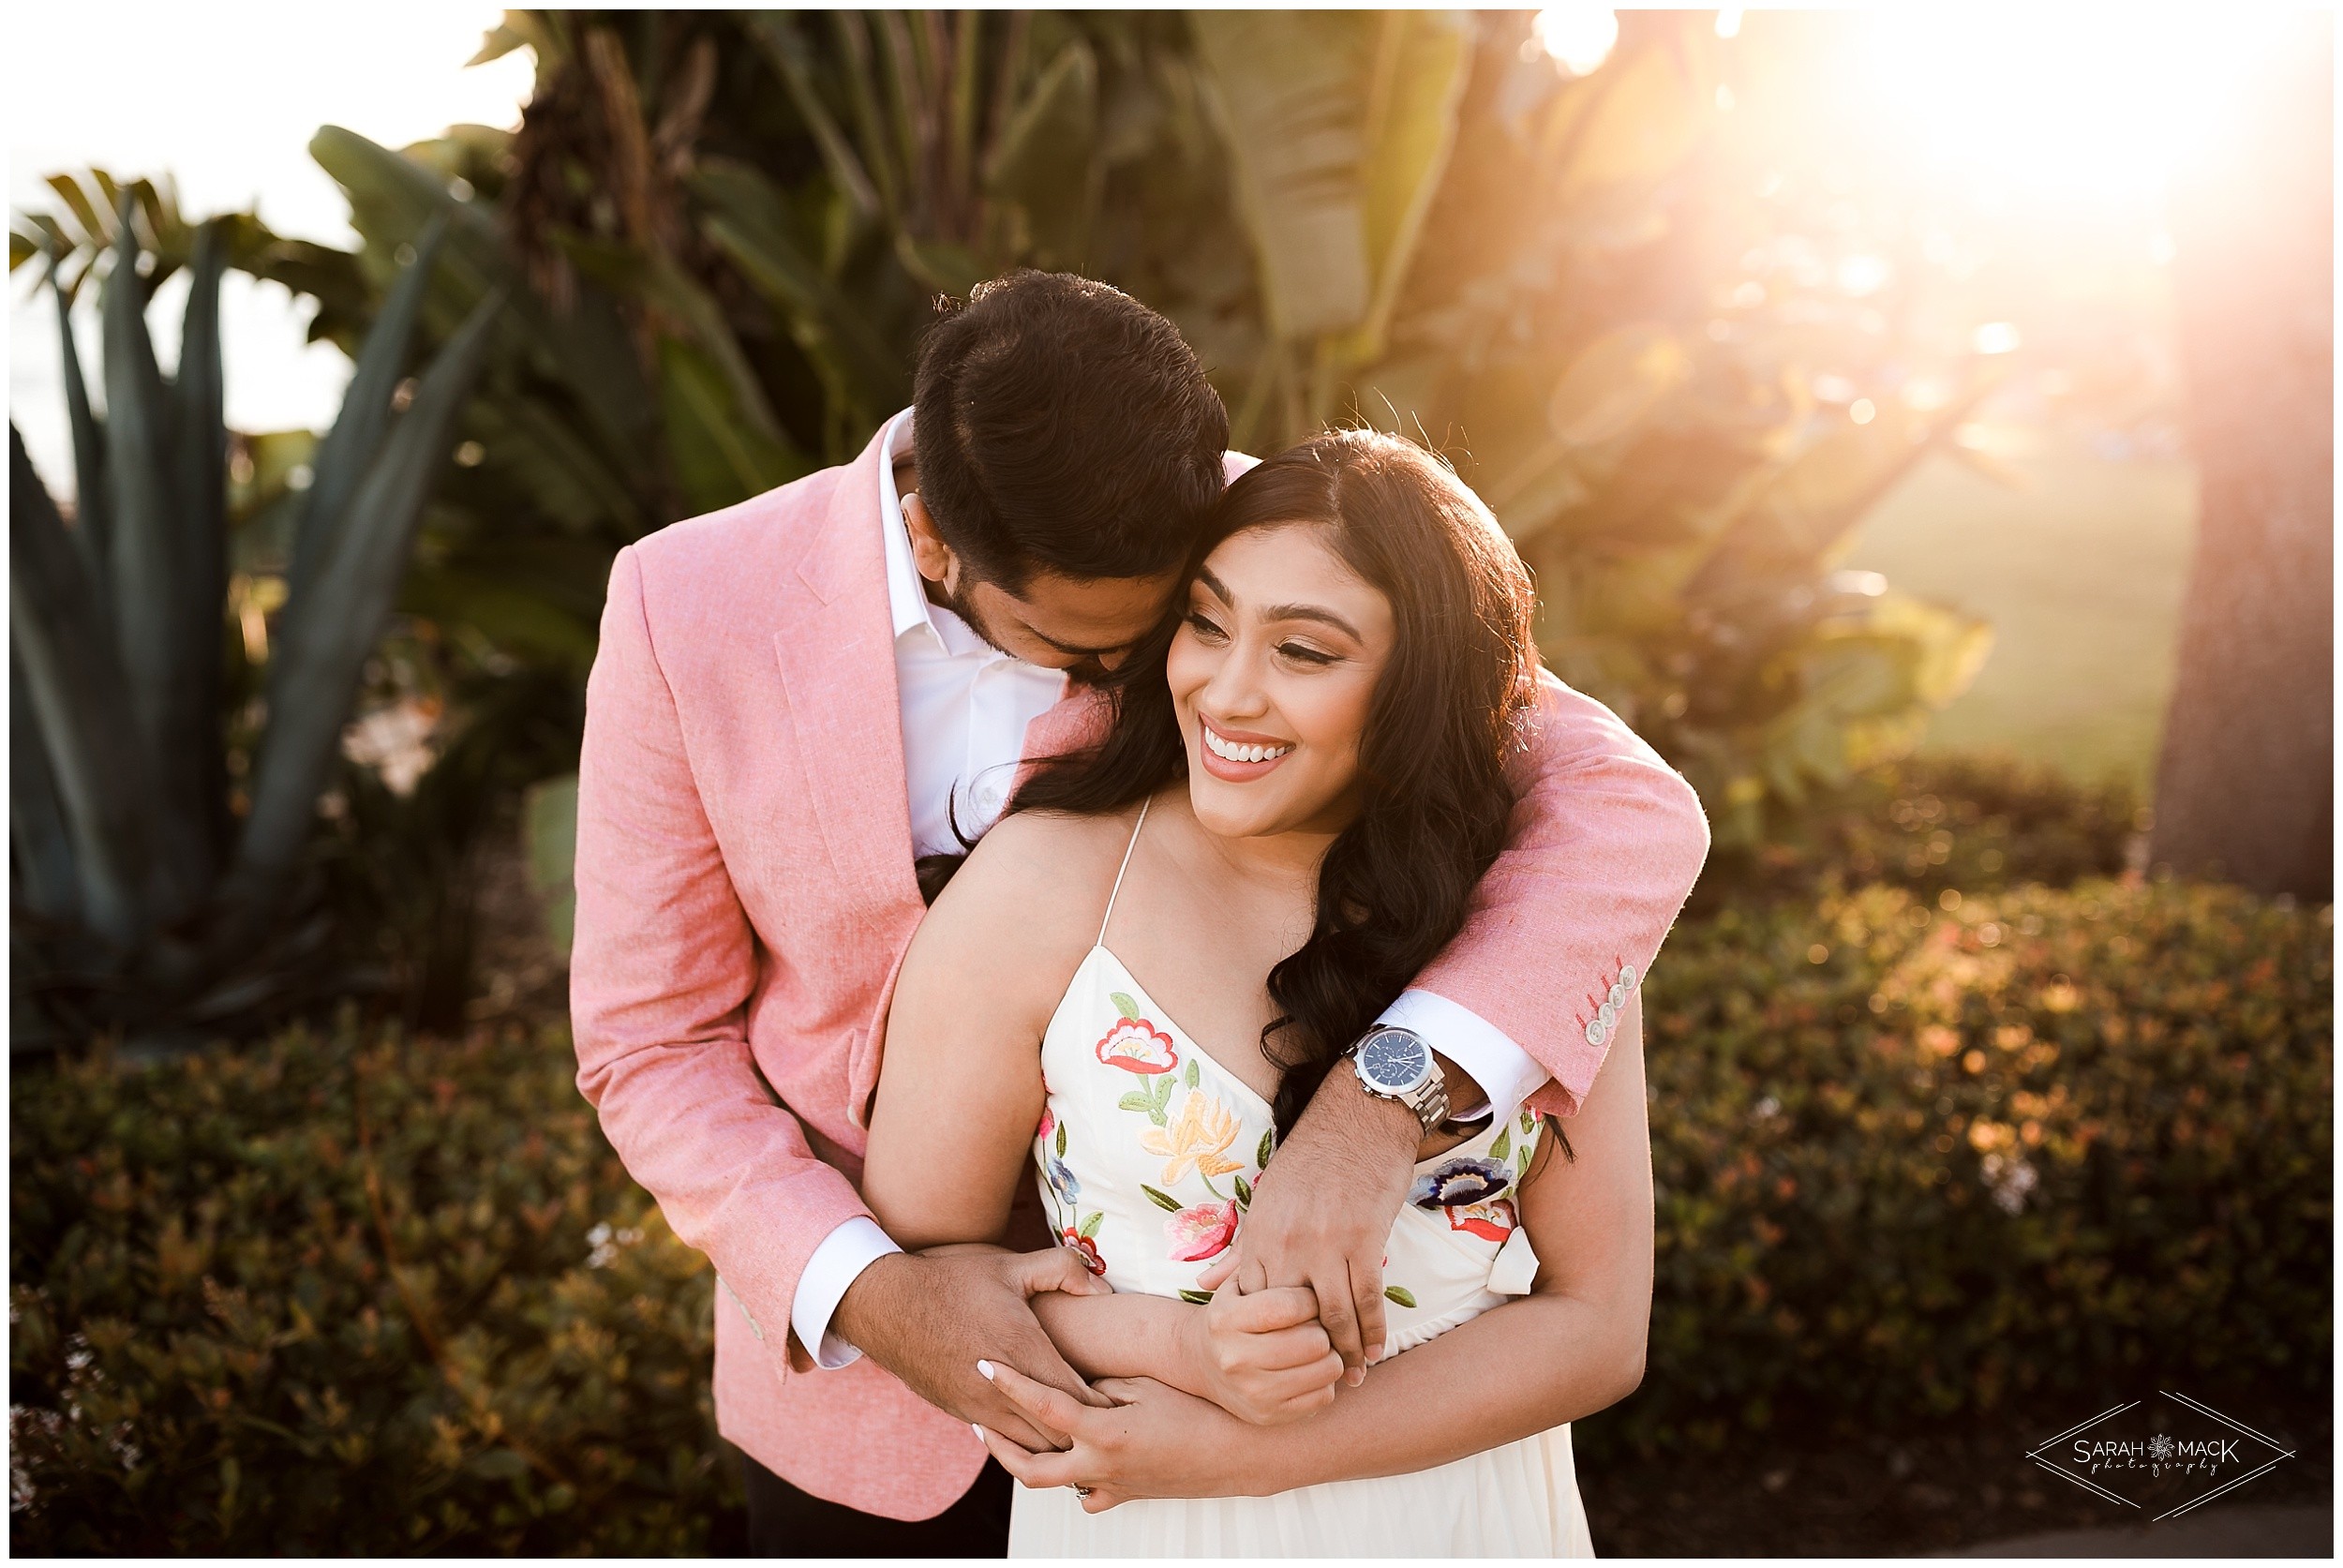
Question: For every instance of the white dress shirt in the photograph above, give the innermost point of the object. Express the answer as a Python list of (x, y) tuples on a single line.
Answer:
[(966, 706)]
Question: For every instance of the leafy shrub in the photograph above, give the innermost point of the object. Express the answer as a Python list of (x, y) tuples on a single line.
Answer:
[(1929, 823), (354, 1295), (1917, 1158), (348, 1295)]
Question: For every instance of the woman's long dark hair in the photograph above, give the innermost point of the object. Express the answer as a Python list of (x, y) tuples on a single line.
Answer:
[(1397, 884)]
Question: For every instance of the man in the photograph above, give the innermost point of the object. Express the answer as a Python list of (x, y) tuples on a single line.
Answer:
[(796, 700)]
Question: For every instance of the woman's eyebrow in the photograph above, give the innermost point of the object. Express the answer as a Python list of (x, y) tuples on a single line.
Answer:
[(1280, 612), (1312, 612)]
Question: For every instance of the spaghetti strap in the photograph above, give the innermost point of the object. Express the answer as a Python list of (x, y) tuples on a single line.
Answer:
[(1117, 889)]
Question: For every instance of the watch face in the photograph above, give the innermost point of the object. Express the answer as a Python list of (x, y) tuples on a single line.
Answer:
[(1394, 1060)]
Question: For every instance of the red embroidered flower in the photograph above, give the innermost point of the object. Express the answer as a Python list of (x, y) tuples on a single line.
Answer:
[(1048, 1125), (1200, 1231), (1136, 1045), (1088, 1249), (1491, 1221)]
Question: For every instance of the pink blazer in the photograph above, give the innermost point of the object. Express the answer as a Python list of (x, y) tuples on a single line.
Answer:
[(746, 894)]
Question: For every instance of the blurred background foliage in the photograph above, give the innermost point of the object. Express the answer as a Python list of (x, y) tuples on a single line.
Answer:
[(718, 235), (163, 789)]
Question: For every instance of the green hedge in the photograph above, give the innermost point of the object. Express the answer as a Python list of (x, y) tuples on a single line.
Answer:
[(345, 1295), (334, 1296), (1964, 820), (1917, 1158)]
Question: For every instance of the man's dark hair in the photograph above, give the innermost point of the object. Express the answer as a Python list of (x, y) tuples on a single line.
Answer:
[(1063, 426)]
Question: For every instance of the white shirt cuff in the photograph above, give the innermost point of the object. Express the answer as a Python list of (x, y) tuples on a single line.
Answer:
[(845, 1253), (1507, 1074)]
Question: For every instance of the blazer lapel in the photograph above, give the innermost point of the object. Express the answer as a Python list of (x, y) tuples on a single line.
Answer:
[(837, 653)]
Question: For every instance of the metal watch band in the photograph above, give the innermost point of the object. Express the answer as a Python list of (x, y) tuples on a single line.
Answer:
[(1427, 1100)]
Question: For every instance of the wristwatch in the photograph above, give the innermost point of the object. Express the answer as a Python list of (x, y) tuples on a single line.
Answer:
[(1396, 1064)]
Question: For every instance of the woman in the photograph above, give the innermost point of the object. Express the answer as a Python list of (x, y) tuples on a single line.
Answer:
[(1157, 959)]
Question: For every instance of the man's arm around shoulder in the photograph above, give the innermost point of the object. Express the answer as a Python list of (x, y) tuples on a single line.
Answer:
[(1606, 841)]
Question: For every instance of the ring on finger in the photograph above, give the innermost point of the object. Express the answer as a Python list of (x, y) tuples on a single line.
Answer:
[(1081, 1490)]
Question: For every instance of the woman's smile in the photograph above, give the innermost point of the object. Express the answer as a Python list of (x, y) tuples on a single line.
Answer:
[(1237, 757)]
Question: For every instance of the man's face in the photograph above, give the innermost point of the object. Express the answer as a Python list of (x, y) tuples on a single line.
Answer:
[(1085, 626), (1081, 625)]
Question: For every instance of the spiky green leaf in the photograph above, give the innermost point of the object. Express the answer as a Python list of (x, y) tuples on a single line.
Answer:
[(93, 529), (343, 456), (363, 555), (194, 767), (153, 561), (74, 681), (38, 833)]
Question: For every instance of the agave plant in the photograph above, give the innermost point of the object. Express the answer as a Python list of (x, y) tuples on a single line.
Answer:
[(142, 899)]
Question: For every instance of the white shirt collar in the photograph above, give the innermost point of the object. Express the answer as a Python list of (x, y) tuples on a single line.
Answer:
[(907, 601), (906, 596)]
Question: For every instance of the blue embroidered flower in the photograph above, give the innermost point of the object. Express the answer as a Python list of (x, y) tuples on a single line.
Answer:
[(1471, 1180), (1061, 1182)]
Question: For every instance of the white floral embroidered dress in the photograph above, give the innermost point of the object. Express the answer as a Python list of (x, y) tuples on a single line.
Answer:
[(1146, 1154)]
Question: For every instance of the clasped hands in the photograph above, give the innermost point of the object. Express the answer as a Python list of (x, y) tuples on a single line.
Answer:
[(1297, 1310)]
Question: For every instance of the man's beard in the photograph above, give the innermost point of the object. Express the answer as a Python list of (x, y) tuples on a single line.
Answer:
[(960, 602), (1089, 672)]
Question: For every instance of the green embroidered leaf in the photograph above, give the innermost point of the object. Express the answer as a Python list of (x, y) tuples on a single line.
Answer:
[(1138, 1099), (1121, 1000), (1163, 1090), (1502, 1147), (1521, 1159), (1061, 1140), (1268, 1141), (1198, 1297), (1193, 1074), (1397, 1295), (1244, 1194), (1529, 1122), (1161, 1200), (1090, 1228)]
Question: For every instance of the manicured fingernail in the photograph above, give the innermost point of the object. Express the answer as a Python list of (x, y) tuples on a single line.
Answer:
[(984, 1370), (978, 1430)]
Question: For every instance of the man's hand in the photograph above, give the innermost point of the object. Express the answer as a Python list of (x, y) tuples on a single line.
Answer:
[(1264, 1357), (1321, 1214), (930, 1319), (1154, 1441)]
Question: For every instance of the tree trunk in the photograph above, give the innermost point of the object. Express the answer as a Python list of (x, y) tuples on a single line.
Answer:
[(2246, 789)]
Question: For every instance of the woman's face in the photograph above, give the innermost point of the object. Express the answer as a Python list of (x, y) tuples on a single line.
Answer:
[(1271, 673)]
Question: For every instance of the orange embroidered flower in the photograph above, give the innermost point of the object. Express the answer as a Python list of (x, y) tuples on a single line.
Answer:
[(1136, 1045), (1198, 1137)]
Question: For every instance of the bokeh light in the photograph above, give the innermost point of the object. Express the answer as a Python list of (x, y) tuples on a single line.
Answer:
[(1579, 38)]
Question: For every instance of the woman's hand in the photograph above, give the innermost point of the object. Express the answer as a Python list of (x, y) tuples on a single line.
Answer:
[(1264, 1357), (1153, 1441)]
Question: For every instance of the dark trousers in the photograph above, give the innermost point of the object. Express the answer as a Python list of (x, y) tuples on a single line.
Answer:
[(786, 1522)]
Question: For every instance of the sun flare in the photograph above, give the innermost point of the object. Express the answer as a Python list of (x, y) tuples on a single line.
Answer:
[(2071, 101)]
